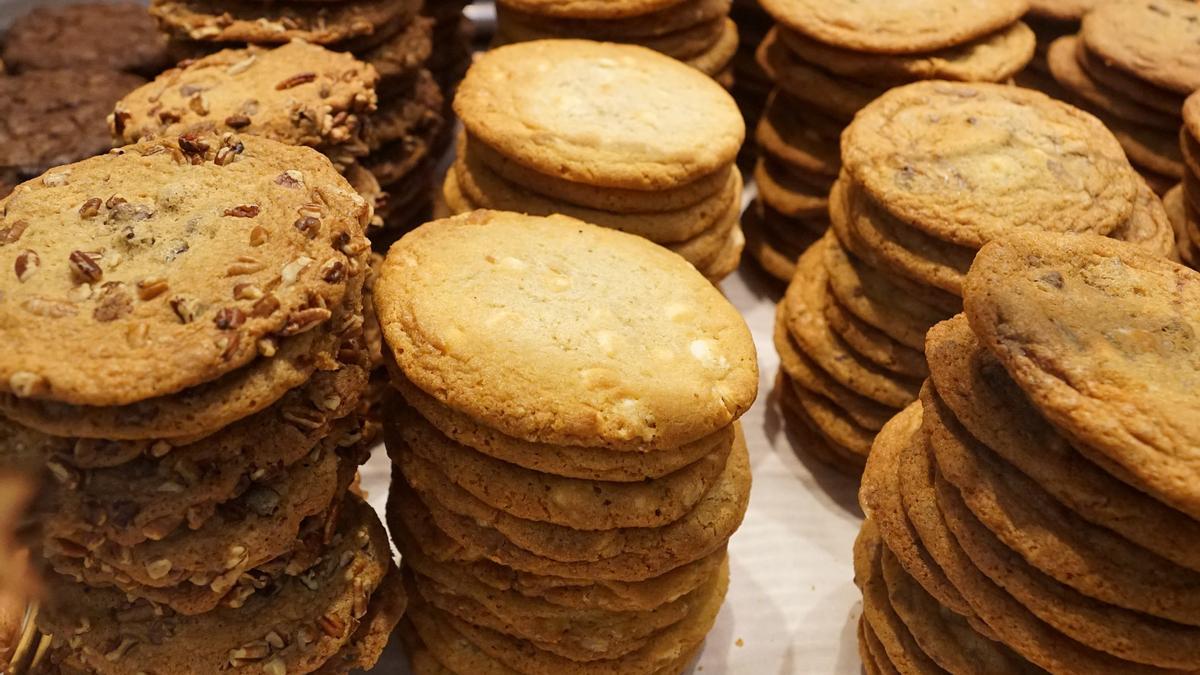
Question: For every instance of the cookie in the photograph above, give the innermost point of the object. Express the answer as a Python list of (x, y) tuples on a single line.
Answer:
[(322, 24), (682, 43), (902, 249), (415, 114), (804, 302), (437, 556), (1155, 152), (152, 496), (1010, 621), (675, 198), (1124, 634), (1113, 79), (991, 58), (896, 152), (485, 189), (101, 36), (728, 259), (901, 648), (1066, 68), (1061, 10), (881, 501), (776, 258), (665, 125), (717, 371), (298, 93), (1074, 400), (97, 287), (807, 438), (647, 553), (1173, 202), (1089, 559), (1148, 39), (715, 60), (974, 391), (401, 56), (631, 28), (800, 140), (874, 299), (835, 97), (873, 344), (312, 621), (885, 28), (53, 117), (704, 249), (570, 502), (591, 9), (782, 192), (1148, 226)]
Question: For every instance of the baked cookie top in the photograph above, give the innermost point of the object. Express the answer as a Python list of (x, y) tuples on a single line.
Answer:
[(555, 331), (54, 117), (590, 9), (263, 23), (1061, 10), (888, 27), (1156, 40), (1102, 337), (160, 266), (119, 36), (602, 114), (967, 163), (299, 93)]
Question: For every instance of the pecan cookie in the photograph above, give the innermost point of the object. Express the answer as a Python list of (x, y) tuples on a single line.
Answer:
[(591, 9), (1141, 413), (299, 94), (665, 125), (1018, 156), (121, 250), (54, 117), (700, 337), (119, 36), (300, 627)]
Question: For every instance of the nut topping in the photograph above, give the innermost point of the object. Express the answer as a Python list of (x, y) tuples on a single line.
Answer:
[(186, 308), (243, 211), (151, 287), (229, 318), (296, 80), (84, 267), (27, 264), (90, 208)]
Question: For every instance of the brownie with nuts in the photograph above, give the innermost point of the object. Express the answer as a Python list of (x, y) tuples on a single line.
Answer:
[(51, 117), (119, 36)]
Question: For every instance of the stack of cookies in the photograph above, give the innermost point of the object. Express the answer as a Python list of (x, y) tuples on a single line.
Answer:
[(932, 171), (389, 35), (1132, 65), (1037, 510), (830, 59), (561, 504), (614, 135), (697, 32), (63, 69), (1183, 201), (185, 362)]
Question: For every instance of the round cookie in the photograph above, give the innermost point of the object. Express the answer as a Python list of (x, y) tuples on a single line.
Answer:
[(973, 391), (790, 197), (587, 289), (571, 462), (873, 344), (412, 114), (1010, 621), (187, 644), (617, 200), (234, 210), (298, 93), (804, 303), (834, 424), (775, 257), (591, 9), (1128, 635), (1148, 226), (482, 187), (880, 498), (728, 259), (878, 26), (119, 36), (684, 43), (835, 97), (323, 24), (1017, 156), (401, 56), (992, 58), (1111, 78), (55, 117), (715, 60), (1141, 413), (799, 139), (569, 502), (630, 28), (1061, 10), (1065, 66), (648, 553), (807, 438), (1153, 40), (543, 104)]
